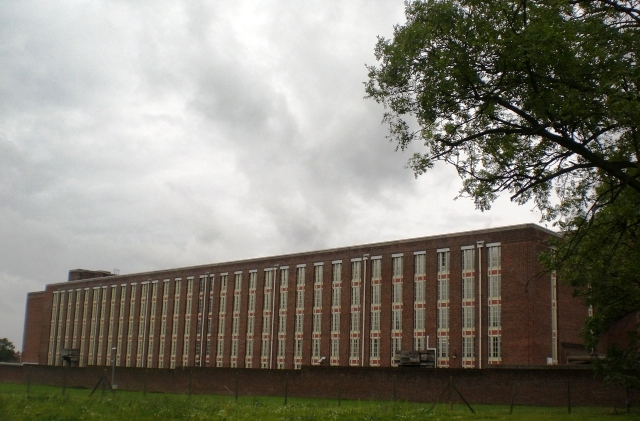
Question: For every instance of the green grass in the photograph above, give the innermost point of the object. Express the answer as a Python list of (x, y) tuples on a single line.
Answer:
[(47, 404)]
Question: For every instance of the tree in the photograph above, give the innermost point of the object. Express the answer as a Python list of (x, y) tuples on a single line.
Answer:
[(7, 351), (517, 95), (540, 99)]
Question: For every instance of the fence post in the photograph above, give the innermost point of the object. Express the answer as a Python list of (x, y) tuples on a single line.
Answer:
[(64, 380), (286, 387), (28, 379), (451, 393), (569, 395), (513, 396), (236, 386), (394, 387), (628, 401)]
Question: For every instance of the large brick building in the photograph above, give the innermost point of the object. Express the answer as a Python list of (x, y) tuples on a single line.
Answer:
[(479, 298)]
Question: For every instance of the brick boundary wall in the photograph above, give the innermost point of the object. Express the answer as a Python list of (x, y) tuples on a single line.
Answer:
[(546, 386)]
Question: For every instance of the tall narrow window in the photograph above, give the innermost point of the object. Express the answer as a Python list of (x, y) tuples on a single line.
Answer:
[(468, 307), (494, 301), (442, 305), (174, 323), (60, 329), (419, 301), (356, 310), (51, 357), (251, 319), (102, 326), (209, 327), (95, 319), (267, 317), (142, 324), (396, 304), (376, 307), (235, 327), (316, 335), (200, 323), (85, 324), (130, 331), (112, 324), (282, 317), (77, 319), (222, 312), (152, 324), (336, 298), (163, 322), (186, 339), (299, 327), (121, 319), (68, 333)]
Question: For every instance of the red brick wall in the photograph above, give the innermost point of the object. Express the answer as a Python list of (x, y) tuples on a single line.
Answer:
[(543, 386)]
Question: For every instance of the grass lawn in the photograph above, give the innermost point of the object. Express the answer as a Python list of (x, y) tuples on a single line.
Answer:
[(48, 404)]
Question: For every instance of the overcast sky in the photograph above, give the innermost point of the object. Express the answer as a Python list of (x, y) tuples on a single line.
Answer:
[(143, 135)]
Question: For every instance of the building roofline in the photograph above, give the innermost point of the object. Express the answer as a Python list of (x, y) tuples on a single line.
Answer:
[(114, 278)]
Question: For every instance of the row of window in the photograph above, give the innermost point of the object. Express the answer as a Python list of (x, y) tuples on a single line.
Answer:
[(273, 311)]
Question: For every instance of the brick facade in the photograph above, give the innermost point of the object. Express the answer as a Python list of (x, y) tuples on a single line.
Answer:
[(514, 296)]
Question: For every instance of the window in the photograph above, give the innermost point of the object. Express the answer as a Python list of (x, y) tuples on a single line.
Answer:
[(300, 275), (335, 348), (375, 320), (300, 298), (397, 292), (299, 322), (355, 295), (355, 321), (376, 269), (443, 347), (467, 260), (375, 348), (335, 322), (418, 322), (315, 348), (396, 320), (494, 346), (317, 274), (443, 289), (317, 322), (335, 295), (297, 349), (317, 298), (354, 347), (337, 272), (282, 324), (443, 318), (467, 317), (494, 315), (251, 321), (396, 345), (396, 264), (420, 261), (418, 343), (420, 287), (375, 294), (467, 347)]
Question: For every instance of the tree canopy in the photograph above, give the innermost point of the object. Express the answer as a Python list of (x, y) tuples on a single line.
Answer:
[(539, 99), (6, 350), (517, 95)]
